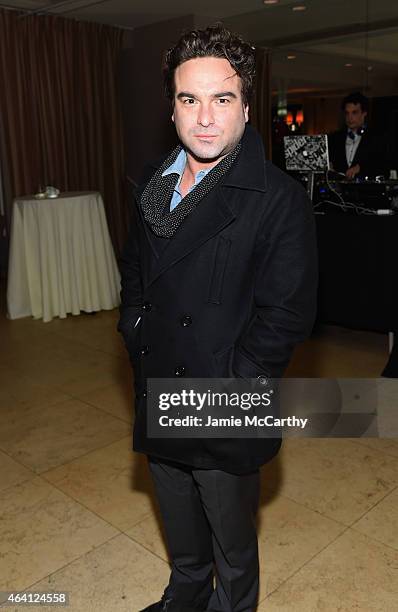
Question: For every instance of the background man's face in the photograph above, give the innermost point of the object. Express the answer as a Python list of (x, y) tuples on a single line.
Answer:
[(209, 113), (354, 116)]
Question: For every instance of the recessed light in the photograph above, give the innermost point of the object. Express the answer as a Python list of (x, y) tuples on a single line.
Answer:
[(348, 65), (270, 1), (290, 57), (299, 7)]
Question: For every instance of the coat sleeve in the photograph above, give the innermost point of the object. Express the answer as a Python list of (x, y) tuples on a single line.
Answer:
[(374, 157), (337, 156), (285, 284), (131, 283), (130, 270)]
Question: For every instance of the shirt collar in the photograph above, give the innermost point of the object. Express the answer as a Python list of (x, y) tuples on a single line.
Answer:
[(353, 135), (178, 167)]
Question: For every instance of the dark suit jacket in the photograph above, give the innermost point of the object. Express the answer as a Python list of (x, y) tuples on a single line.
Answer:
[(371, 153), (243, 268)]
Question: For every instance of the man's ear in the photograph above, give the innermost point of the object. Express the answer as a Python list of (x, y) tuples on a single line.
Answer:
[(246, 112), (172, 117)]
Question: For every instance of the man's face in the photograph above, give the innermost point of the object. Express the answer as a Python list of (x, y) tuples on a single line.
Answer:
[(209, 113), (354, 116)]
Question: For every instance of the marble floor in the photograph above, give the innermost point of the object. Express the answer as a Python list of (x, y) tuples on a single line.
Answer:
[(77, 511)]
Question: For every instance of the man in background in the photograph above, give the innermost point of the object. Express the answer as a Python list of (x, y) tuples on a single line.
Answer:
[(357, 150)]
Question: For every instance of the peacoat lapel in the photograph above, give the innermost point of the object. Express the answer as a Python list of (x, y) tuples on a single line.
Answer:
[(207, 220)]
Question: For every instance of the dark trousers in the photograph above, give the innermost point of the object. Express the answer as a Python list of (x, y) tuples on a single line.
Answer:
[(209, 520)]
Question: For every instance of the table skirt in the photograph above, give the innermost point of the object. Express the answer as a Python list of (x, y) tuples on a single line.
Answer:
[(61, 258)]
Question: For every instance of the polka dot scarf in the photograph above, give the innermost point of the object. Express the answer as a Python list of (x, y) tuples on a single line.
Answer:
[(155, 200)]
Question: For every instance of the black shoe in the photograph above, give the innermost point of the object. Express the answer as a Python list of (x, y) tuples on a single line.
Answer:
[(168, 604), (159, 606)]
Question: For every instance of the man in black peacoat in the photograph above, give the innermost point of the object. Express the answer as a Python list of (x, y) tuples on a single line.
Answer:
[(229, 294), (232, 295)]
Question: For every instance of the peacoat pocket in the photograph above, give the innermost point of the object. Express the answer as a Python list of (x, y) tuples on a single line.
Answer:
[(223, 362), (218, 272), (130, 331)]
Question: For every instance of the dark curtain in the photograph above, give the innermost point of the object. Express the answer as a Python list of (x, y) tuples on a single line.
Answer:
[(60, 118), (260, 114)]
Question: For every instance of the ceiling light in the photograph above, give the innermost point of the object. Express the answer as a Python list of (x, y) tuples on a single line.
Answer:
[(299, 7), (290, 57), (348, 65), (270, 1)]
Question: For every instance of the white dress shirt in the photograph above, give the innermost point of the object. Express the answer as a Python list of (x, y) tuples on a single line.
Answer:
[(351, 145)]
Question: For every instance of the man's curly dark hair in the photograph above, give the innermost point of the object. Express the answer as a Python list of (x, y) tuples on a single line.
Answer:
[(214, 41), (356, 98)]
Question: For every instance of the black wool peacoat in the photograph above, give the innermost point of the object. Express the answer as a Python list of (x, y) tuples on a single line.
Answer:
[(230, 296)]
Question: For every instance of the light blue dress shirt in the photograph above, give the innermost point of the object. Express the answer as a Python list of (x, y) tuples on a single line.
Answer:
[(178, 167)]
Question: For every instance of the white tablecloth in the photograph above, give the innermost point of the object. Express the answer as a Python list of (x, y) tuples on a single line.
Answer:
[(61, 258)]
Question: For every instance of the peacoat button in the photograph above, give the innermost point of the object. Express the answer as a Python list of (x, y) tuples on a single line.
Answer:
[(147, 306), (186, 321), (144, 350), (179, 371), (263, 380)]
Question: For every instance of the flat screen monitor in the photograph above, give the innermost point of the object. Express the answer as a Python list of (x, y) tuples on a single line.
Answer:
[(307, 153)]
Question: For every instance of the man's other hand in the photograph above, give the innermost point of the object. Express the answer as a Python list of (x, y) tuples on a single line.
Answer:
[(353, 171)]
